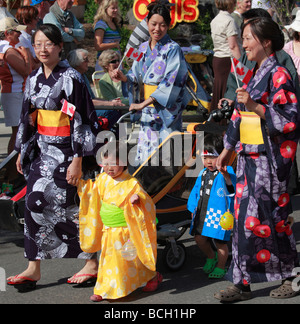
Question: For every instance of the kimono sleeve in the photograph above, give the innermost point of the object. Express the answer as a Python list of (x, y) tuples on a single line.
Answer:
[(25, 140), (85, 125), (141, 221), (90, 223), (281, 104), (195, 194), (175, 76), (232, 136)]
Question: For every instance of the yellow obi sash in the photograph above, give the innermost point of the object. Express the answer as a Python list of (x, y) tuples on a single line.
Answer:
[(250, 128), (53, 123), (112, 216), (148, 90)]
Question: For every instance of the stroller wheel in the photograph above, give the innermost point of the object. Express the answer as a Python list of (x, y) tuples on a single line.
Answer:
[(174, 259)]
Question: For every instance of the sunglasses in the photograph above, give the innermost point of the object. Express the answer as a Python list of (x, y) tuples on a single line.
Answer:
[(114, 61)]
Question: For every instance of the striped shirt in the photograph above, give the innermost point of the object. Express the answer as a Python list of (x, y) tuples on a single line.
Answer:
[(11, 81), (110, 35)]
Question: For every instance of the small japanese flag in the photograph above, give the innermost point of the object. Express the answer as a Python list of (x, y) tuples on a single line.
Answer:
[(241, 71), (68, 108), (134, 54)]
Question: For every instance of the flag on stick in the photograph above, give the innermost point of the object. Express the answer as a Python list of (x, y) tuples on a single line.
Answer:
[(132, 53), (240, 71)]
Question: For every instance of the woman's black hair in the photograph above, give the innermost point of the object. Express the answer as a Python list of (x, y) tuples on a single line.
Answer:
[(213, 142), (51, 31), (266, 29), (161, 9)]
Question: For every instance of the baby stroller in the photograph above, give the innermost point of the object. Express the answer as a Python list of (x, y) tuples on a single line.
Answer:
[(169, 186)]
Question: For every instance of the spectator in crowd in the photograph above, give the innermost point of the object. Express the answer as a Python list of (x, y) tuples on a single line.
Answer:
[(13, 73), (241, 7), (28, 15), (225, 38), (79, 60), (71, 29), (293, 47), (107, 24), (43, 7)]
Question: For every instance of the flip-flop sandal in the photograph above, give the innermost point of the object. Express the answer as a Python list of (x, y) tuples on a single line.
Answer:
[(27, 284), (91, 280), (232, 294), (210, 264), (218, 273), (284, 291)]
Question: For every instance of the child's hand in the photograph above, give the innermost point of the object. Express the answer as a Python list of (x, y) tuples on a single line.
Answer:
[(134, 199)]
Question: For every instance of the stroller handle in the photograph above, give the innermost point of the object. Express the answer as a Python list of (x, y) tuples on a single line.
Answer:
[(126, 115)]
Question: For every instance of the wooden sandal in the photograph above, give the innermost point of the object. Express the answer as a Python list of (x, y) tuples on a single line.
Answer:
[(233, 294)]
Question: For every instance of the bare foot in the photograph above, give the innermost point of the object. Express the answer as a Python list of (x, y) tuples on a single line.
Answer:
[(32, 272), (90, 270)]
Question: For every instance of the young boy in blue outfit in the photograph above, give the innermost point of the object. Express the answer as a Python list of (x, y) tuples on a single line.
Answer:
[(211, 197)]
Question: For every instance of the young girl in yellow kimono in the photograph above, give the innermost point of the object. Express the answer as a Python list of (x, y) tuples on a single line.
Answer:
[(113, 209)]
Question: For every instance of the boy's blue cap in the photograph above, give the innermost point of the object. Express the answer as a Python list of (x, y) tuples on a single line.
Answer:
[(35, 2)]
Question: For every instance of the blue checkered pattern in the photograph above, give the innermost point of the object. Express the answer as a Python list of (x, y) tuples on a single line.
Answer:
[(212, 227), (213, 218)]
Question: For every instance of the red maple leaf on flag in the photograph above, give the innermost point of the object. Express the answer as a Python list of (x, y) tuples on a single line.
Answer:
[(240, 71)]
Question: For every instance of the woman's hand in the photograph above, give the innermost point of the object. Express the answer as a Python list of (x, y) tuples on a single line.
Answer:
[(243, 97), (118, 75), (139, 106), (223, 160), (142, 105), (18, 164), (74, 171)]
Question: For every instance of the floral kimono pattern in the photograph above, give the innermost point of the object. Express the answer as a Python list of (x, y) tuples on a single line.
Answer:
[(47, 149), (264, 247), (163, 69), (118, 277)]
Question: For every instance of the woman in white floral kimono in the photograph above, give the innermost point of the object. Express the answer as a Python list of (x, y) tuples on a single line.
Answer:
[(162, 73), (58, 127)]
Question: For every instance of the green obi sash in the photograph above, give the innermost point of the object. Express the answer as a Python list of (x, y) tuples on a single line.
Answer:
[(112, 216)]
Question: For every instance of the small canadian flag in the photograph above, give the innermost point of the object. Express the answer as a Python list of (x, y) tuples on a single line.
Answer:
[(243, 73), (68, 108), (134, 54)]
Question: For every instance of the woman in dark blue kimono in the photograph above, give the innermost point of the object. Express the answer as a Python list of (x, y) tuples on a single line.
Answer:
[(264, 131), (58, 127)]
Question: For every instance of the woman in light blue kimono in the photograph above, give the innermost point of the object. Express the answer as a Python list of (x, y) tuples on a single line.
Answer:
[(162, 73)]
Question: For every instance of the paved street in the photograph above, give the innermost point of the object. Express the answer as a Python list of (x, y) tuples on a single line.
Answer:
[(185, 288)]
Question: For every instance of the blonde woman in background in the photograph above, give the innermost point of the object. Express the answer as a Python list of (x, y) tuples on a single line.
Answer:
[(107, 24)]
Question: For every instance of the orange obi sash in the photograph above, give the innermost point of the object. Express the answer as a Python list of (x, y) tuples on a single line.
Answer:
[(148, 90), (53, 123)]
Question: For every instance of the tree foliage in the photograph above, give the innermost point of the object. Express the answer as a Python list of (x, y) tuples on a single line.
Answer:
[(283, 10)]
